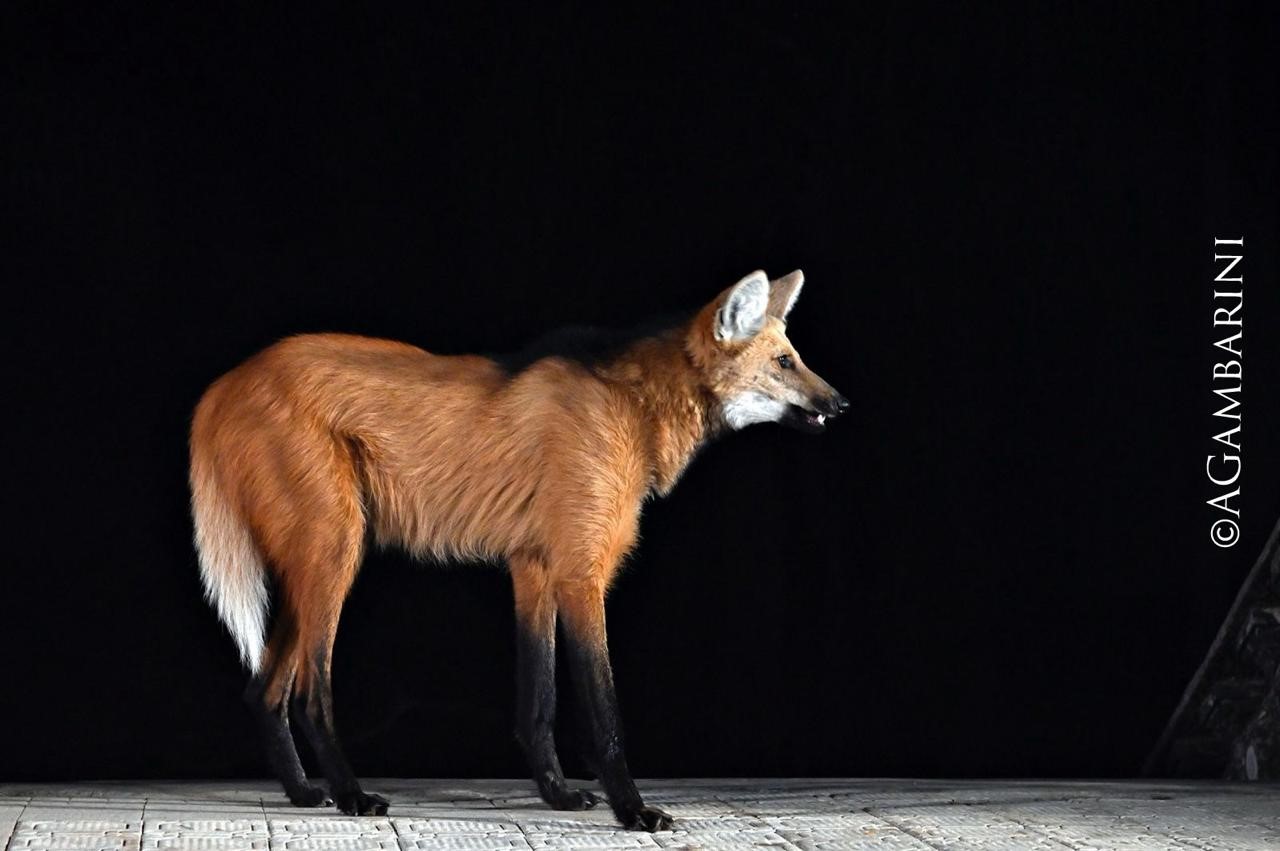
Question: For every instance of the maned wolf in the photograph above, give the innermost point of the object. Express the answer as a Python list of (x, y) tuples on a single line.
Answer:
[(543, 462)]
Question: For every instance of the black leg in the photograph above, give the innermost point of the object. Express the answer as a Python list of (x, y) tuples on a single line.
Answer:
[(282, 753), (314, 712), (268, 697), (588, 655), (536, 712)]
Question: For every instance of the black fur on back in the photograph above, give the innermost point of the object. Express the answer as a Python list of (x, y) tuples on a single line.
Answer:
[(587, 345)]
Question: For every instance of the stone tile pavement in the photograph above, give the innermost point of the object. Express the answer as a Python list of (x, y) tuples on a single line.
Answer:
[(710, 814)]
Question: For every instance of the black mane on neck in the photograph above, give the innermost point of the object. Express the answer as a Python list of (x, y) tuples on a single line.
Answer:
[(587, 345)]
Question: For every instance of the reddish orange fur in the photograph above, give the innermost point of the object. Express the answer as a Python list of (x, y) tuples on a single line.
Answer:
[(308, 449), (319, 436)]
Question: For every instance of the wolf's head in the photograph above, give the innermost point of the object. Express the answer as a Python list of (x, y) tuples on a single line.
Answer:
[(740, 345)]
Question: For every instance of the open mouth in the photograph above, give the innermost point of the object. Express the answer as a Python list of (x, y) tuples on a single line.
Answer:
[(806, 419)]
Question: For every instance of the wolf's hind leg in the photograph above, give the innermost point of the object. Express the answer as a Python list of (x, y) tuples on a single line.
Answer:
[(317, 571), (313, 705), (268, 697), (536, 684)]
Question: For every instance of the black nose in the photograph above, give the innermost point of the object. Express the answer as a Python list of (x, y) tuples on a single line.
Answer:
[(834, 405)]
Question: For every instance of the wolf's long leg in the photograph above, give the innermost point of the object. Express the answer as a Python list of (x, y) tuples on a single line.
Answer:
[(313, 705), (316, 575), (268, 697), (314, 710), (582, 607), (536, 683)]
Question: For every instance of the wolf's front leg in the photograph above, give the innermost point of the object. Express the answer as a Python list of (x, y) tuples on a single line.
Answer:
[(582, 609), (536, 684)]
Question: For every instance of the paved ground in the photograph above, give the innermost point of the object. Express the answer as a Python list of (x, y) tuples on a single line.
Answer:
[(784, 814)]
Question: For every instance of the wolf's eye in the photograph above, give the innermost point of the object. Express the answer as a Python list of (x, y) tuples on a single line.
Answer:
[(786, 362)]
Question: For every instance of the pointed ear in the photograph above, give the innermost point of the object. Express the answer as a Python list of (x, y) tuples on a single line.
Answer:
[(783, 294), (743, 309)]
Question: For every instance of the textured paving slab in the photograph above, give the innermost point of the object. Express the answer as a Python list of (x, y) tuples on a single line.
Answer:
[(161, 832), (77, 835), (804, 814), (854, 831), (482, 834), (333, 834), (966, 827)]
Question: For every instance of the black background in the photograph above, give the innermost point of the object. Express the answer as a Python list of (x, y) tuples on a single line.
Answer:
[(999, 565)]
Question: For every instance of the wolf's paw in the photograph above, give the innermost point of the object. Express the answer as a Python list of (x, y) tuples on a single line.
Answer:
[(575, 799), (363, 804), (649, 819), (311, 796)]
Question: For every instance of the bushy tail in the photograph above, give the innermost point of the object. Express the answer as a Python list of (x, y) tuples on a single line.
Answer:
[(230, 564)]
